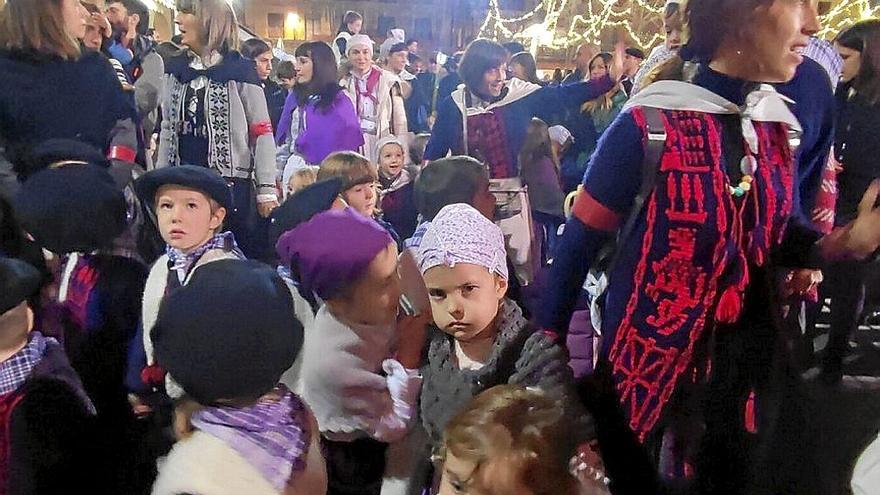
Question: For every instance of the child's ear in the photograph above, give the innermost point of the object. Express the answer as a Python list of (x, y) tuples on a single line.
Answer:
[(218, 217), (501, 286)]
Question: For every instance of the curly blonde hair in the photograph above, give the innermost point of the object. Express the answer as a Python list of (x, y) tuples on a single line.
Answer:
[(517, 438)]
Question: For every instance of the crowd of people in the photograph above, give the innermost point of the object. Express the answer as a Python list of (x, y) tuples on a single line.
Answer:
[(360, 269)]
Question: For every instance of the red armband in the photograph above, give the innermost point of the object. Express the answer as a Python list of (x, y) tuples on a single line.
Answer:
[(260, 129), (594, 214), (123, 153)]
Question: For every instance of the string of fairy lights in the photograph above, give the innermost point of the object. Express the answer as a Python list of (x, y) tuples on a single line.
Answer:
[(555, 23)]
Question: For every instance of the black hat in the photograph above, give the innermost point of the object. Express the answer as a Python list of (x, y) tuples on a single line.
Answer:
[(230, 333), (52, 151), (18, 282), (198, 178), (72, 206), (303, 205), (635, 52)]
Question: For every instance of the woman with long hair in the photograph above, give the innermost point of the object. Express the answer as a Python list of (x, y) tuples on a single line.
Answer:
[(523, 66), (856, 149), (604, 109), (691, 280), (214, 115), (318, 118), (48, 79)]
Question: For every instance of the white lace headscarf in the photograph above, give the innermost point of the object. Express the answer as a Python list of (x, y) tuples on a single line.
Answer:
[(461, 234)]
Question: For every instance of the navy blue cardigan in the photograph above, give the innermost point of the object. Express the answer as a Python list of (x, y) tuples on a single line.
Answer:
[(548, 104)]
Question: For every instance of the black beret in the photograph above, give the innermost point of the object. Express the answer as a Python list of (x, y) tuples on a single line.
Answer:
[(18, 282), (303, 205), (230, 333), (76, 207), (199, 178), (635, 52)]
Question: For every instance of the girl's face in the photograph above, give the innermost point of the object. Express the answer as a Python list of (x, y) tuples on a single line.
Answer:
[(598, 68), (493, 81), (391, 159), (362, 198), (852, 62), (355, 26), (190, 30), (465, 300), (304, 70), (518, 71), (779, 33), (673, 36), (74, 15), (185, 217)]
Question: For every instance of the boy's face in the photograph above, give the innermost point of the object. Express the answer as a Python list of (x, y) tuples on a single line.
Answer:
[(185, 217), (391, 159), (362, 198), (286, 82), (374, 299), (464, 299)]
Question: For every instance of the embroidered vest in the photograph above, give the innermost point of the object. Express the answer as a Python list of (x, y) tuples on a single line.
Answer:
[(694, 255)]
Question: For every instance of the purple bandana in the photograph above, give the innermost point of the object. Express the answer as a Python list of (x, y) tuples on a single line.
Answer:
[(178, 260), (272, 435)]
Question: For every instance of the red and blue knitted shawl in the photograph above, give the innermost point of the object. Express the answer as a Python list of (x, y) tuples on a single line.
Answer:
[(694, 256)]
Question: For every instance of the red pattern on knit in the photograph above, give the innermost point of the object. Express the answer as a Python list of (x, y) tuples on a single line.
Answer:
[(826, 198), (487, 142), (82, 282), (696, 245), (8, 403)]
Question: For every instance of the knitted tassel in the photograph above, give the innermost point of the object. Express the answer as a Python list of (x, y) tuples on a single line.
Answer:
[(153, 375), (730, 306)]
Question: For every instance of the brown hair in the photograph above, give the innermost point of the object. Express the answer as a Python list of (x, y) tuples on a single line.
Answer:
[(705, 34), (516, 431), (219, 26), (864, 37), (38, 26), (353, 168), (537, 145), (604, 102)]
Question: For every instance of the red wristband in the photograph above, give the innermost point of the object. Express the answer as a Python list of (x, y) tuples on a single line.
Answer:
[(123, 153)]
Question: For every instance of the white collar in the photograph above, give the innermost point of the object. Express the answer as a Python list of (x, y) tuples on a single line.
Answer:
[(517, 89)]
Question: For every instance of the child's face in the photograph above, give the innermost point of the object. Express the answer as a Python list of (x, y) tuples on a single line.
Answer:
[(362, 198), (374, 299), (464, 299), (391, 159), (466, 477), (185, 217)]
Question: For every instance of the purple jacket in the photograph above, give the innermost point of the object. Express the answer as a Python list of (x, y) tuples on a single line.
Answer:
[(336, 128)]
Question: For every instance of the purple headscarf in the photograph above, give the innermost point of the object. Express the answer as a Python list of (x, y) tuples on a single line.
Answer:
[(332, 250)]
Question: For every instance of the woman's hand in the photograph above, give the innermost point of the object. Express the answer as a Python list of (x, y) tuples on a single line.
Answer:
[(799, 282), (616, 69)]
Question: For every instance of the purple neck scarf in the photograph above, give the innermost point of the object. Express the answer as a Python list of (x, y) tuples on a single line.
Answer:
[(178, 260), (272, 435)]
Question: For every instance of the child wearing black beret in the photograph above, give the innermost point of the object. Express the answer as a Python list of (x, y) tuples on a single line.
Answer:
[(239, 430), (46, 418), (190, 204)]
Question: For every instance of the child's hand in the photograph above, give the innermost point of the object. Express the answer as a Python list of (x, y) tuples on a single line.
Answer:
[(411, 336)]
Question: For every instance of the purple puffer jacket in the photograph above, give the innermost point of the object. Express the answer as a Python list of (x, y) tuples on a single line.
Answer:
[(580, 343), (336, 128)]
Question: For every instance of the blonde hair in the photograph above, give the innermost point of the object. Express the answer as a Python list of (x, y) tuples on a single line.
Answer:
[(219, 26), (37, 25), (518, 432), (303, 177)]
